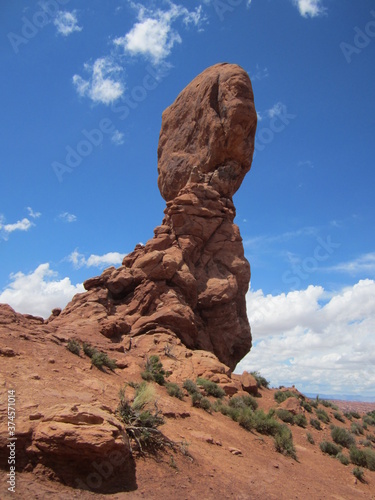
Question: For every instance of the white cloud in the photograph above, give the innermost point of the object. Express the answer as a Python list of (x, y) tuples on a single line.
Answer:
[(66, 22), (111, 258), (21, 225), (117, 138), (104, 84), (33, 214), (67, 217), (309, 8), (322, 343), (363, 264), (39, 291), (153, 36)]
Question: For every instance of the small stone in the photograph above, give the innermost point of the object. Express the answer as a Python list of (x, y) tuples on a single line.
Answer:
[(235, 451)]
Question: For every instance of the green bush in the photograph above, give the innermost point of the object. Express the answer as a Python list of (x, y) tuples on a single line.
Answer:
[(316, 424), (281, 396), (228, 411), (205, 404), (358, 473), (174, 390), (339, 416), (285, 416), (357, 457), (190, 386), (300, 420), (196, 398), (307, 406), (366, 442), (310, 438), (100, 359), (322, 415), (370, 459), (371, 437), (137, 414), (342, 436), (246, 419), (211, 388), (261, 381), (265, 424), (243, 402), (330, 448), (199, 401), (343, 458), (88, 349), (314, 402), (356, 429), (284, 442), (326, 403), (154, 370), (368, 419), (74, 347)]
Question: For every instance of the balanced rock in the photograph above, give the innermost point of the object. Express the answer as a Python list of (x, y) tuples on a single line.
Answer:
[(191, 278)]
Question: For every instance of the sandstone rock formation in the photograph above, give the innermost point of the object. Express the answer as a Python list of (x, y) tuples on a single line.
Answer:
[(192, 277)]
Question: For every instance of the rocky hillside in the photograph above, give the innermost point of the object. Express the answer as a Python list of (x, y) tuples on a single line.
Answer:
[(129, 392)]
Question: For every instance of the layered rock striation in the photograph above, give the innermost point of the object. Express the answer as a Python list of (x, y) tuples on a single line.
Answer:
[(191, 278)]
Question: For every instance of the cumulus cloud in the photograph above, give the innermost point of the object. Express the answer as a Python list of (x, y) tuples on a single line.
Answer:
[(39, 291), (21, 225), (111, 258), (322, 342), (67, 217), (309, 8), (66, 22), (104, 84), (153, 35)]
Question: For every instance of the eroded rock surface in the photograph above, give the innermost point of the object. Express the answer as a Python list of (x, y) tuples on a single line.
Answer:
[(192, 277)]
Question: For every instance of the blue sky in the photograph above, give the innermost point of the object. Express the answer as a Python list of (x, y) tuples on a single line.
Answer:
[(82, 91)]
